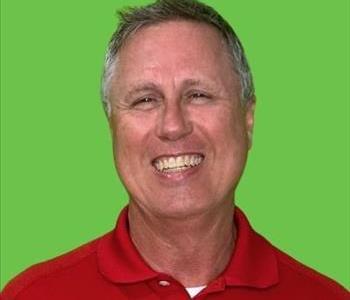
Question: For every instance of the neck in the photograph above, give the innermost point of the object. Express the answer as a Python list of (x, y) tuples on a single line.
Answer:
[(193, 250)]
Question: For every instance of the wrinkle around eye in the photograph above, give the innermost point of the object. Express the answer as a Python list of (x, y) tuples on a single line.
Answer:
[(138, 104), (121, 106)]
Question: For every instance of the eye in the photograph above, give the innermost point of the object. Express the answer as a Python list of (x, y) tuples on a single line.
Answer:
[(199, 97), (145, 103), (143, 100)]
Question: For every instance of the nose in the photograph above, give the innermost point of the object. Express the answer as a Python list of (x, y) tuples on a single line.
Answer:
[(173, 123)]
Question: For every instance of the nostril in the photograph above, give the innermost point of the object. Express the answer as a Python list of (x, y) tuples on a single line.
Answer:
[(174, 123)]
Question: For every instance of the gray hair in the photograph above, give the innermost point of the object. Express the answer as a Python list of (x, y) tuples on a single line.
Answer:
[(134, 18)]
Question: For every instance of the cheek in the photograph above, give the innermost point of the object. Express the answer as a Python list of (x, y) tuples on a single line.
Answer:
[(229, 141), (226, 128), (129, 138), (127, 148)]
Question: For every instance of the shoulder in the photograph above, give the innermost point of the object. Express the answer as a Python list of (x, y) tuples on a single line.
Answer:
[(307, 280), (79, 260)]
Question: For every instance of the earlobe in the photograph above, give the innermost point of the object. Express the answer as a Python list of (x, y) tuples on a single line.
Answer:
[(250, 139)]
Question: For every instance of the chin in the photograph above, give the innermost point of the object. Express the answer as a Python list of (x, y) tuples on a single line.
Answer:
[(184, 208)]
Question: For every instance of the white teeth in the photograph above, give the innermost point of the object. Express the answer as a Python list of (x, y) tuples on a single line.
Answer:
[(177, 163), (160, 165), (192, 163), (172, 162), (180, 161), (165, 164)]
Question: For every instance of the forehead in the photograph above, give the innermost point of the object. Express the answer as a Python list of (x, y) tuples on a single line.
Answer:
[(174, 31), (174, 49)]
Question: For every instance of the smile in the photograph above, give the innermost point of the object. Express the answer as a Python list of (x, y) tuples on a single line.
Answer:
[(178, 163)]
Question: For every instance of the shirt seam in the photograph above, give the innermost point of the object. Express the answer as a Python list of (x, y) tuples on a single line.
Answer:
[(59, 269), (306, 272), (53, 273)]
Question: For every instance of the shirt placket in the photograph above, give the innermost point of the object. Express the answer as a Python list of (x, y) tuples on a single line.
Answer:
[(168, 288)]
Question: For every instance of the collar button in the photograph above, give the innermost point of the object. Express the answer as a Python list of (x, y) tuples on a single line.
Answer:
[(163, 283)]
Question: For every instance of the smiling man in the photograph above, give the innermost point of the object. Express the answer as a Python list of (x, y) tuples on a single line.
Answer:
[(179, 98)]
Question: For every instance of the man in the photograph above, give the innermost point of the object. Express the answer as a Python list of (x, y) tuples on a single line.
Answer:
[(179, 98)]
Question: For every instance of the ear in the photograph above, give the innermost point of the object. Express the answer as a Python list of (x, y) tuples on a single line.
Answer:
[(249, 119), (112, 123)]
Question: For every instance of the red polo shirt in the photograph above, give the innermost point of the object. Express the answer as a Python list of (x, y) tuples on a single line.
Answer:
[(111, 268)]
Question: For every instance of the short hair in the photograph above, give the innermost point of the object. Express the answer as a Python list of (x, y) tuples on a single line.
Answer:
[(134, 18)]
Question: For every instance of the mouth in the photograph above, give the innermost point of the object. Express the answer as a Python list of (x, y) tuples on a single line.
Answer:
[(177, 163)]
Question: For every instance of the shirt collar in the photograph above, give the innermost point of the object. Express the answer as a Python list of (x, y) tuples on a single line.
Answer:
[(253, 262), (118, 259)]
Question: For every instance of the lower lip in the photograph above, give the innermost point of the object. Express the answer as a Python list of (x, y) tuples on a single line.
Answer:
[(179, 175)]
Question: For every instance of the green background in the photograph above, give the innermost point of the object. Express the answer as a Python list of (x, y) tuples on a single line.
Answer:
[(58, 184)]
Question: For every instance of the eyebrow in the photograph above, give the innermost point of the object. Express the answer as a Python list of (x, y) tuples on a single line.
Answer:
[(194, 82), (141, 87), (208, 85)]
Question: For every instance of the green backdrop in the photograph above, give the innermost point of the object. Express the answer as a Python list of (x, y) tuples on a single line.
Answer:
[(58, 184)]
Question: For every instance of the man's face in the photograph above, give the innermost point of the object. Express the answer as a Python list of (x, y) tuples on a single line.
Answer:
[(179, 129)]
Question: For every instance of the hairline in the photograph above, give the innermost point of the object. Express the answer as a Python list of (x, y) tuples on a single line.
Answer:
[(234, 49), (113, 64)]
